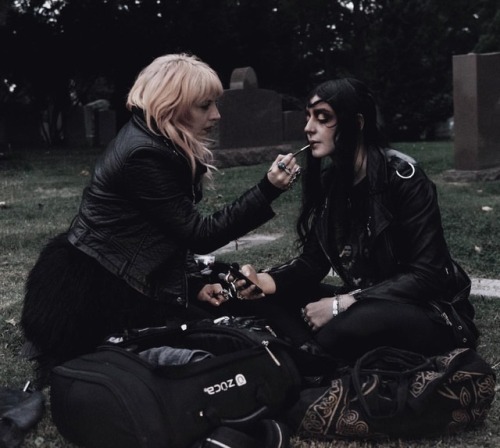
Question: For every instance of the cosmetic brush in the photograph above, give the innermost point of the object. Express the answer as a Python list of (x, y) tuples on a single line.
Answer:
[(300, 150)]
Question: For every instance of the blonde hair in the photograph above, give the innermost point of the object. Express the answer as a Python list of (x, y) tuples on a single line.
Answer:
[(166, 90)]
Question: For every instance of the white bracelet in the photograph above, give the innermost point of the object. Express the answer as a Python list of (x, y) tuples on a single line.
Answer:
[(335, 306)]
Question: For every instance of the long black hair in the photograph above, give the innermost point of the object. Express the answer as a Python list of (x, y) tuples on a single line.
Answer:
[(354, 105)]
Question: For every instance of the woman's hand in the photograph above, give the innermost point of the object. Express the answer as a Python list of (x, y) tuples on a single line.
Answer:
[(250, 292), (214, 294), (283, 172), (317, 314)]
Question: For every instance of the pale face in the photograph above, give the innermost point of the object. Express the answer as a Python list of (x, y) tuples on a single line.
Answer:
[(204, 116), (321, 122)]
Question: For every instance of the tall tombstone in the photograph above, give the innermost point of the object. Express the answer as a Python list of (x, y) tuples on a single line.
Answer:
[(250, 117), (476, 96), (78, 130), (93, 124), (105, 126)]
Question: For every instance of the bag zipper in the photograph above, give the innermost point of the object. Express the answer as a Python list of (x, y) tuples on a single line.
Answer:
[(271, 354)]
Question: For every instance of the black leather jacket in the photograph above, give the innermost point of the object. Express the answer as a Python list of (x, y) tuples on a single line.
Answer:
[(138, 218), (412, 262)]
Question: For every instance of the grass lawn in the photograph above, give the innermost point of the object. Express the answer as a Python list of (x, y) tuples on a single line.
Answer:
[(40, 192)]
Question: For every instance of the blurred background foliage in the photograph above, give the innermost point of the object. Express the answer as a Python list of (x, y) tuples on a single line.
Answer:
[(55, 54)]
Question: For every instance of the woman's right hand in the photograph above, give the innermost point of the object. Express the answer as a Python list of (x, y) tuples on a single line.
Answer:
[(284, 171)]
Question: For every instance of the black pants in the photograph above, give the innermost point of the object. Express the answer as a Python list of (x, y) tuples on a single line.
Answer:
[(371, 323), (367, 324)]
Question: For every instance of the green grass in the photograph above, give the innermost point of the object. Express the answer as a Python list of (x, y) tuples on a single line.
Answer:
[(41, 191)]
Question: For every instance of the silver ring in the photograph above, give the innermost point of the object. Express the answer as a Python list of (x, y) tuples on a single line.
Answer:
[(303, 312), (281, 165), (296, 174)]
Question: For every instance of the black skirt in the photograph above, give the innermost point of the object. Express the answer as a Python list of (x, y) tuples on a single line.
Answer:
[(72, 303)]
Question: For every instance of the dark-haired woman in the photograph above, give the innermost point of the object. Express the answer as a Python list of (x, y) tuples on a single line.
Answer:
[(371, 214)]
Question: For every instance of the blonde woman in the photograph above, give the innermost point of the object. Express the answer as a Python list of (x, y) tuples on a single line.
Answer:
[(126, 260)]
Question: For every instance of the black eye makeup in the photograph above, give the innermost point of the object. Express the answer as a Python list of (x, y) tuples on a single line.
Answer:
[(323, 116)]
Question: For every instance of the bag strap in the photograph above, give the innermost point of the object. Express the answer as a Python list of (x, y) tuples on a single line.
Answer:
[(271, 434), (212, 416), (395, 368)]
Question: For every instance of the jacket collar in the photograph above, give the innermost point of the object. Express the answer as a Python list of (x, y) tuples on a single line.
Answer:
[(140, 121)]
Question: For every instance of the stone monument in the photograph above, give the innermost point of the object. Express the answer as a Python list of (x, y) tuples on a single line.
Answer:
[(93, 124), (251, 116), (476, 96)]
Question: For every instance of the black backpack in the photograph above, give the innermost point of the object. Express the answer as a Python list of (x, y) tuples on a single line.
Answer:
[(124, 395)]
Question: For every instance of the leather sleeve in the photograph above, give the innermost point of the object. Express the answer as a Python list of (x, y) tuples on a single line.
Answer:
[(310, 267), (162, 189), (424, 262)]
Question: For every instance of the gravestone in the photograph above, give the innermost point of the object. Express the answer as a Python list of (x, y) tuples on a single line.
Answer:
[(91, 125), (76, 128), (250, 116), (105, 126), (476, 96)]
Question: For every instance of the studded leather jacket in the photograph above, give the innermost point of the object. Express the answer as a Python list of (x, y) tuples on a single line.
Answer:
[(138, 217), (411, 258)]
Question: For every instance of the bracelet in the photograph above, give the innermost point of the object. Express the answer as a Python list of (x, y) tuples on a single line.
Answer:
[(335, 306)]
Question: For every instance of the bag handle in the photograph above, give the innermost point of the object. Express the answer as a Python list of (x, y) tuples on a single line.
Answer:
[(394, 367), (264, 434), (212, 415)]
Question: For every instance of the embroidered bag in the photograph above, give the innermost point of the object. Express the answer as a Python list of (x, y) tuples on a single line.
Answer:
[(396, 393)]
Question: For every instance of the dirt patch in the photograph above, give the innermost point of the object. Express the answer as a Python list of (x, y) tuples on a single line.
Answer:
[(47, 193), (247, 242)]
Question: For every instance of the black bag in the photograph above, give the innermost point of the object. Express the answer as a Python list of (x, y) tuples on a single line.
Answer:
[(20, 411), (395, 393), (114, 397), (264, 434)]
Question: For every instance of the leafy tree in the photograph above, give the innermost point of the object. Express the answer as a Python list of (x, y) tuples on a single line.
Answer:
[(64, 52), (489, 14), (409, 62)]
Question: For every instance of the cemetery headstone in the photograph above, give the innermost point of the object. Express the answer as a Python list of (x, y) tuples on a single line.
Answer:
[(251, 116), (476, 96)]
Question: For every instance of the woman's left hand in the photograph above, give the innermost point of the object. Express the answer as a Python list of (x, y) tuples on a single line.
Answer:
[(317, 314), (284, 172)]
